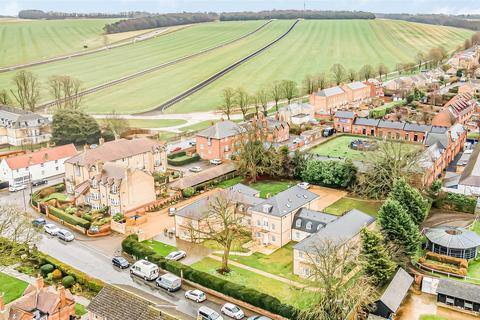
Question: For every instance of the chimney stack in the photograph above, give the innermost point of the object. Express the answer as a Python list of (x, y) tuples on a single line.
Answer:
[(39, 282), (62, 295)]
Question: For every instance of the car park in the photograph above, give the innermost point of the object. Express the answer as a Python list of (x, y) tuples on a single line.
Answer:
[(171, 211), (169, 282), (196, 295), (176, 255), (304, 185), (145, 269), (39, 182), (51, 229), (205, 313), (65, 235), (17, 188), (195, 169), (233, 311), (39, 222), (216, 162), (120, 262)]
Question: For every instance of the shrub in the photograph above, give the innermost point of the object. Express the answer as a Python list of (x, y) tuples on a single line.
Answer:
[(87, 216), (68, 281), (46, 269), (183, 160), (60, 187), (118, 217), (456, 202), (177, 155), (74, 220), (329, 173), (71, 210), (462, 263), (57, 274), (188, 192)]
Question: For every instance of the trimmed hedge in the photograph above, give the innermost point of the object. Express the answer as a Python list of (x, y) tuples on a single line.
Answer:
[(183, 160), (177, 155), (71, 219), (131, 246), (456, 202)]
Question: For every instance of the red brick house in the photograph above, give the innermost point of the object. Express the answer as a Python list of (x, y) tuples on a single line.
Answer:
[(357, 92), (218, 140), (274, 129), (458, 110), (376, 88), (343, 121)]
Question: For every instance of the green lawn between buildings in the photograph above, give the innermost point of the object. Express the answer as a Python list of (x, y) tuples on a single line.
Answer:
[(432, 317), (265, 187), (155, 123), (162, 249), (346, 204), (286, 293), (340, 147), (236, 245), (11, 287), (56, 195)]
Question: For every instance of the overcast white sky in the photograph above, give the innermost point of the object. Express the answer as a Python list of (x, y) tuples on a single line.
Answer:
[(11, 7)]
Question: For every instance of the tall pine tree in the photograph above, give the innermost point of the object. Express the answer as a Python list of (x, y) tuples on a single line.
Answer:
[(378, 264), (411, 200), (397, 226)]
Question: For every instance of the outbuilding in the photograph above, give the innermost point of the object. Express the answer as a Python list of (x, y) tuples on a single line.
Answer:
[(459, 294), (453, 241)]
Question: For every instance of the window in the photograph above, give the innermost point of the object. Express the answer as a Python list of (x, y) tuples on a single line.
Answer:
[(257, 234), (273, 237), (297, 235), (265, 223), (259, 223), (114, 189), (273, 226), (298, 223), (309, 225), (56, 168), (56, 161), (41, 165)]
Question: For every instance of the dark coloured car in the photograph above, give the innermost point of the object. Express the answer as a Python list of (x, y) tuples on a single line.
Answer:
[(120, 262), (39, 222), (39, 182)]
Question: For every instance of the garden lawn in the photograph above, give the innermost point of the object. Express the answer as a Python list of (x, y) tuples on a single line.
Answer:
[(473, 270), (265, 187), (476, 227), (287, 294), (346, 204), (314, 46), (159, 247), (230, 182), (155, 123), (12, 287), (279, 263), (236, 245), (432, 317), (56, 195), (165, 135), (339, 147)]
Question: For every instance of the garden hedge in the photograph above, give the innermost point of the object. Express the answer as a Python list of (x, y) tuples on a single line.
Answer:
[(177, 154), (131, 246), (456, 202), (181, 161), (71, 219)]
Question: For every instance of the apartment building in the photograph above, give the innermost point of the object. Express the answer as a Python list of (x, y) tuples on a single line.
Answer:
[(20, 127), (42, 164)]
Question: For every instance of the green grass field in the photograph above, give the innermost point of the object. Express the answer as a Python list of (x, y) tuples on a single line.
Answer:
[(25, 40), (346, 204), (155, 123), (161, 248), (340, 147), (12, 287)]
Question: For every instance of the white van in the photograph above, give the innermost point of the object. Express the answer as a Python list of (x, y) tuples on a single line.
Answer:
[(170, 282), (145, 269), (205, 313)]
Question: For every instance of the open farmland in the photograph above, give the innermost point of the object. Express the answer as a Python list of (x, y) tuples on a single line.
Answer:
[(23, 41)]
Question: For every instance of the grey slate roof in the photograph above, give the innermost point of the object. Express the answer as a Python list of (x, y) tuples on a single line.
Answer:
[(356, 85), (286, 201), (366, 122), (204, 176), (453, 237), (471, 173), (463, 290), (391, 124), (438, 129), (330, 92), (243, 189), (441, 138), (417, 127), (345, 114), (316, 219), (397, 290), (15, 117), (222, 129), (339, 231)]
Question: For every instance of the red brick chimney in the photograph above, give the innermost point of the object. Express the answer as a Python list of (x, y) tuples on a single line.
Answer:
[(62, 296), (39, 282)]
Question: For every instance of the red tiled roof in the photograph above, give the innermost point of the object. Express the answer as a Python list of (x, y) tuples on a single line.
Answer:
[(41, 156)]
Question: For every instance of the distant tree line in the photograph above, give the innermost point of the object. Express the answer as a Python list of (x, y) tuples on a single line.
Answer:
[(157, 21), (51, 15), (437, 19), (295, 14)]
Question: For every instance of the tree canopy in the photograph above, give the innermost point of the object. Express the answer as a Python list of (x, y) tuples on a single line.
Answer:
[(411, 200), (330, 173), (74, 126), (378, 264)]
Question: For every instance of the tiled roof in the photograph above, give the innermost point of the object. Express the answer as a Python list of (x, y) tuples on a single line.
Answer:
[(41, 156), (14, 116), (391, 124), (345, 114), (460, 290), (356, 85), (417, 127), (433, 138), (115, 150), (366, 122), (330, 92), (222, 129), (286, 202), (397, 290)]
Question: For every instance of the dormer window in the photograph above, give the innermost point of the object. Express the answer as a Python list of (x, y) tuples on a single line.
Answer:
[(94, 183), (114, 189), (309, 225), (298, 223)]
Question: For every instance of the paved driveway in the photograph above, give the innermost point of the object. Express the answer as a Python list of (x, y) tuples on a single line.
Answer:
[(327, 196)]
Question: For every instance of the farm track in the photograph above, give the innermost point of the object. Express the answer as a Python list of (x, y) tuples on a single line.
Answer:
[(155, 68), (217, 75), (122, 43)]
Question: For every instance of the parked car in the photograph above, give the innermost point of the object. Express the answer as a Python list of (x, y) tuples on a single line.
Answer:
[(39, 182), (304, 185), (120, 262), (327, 132), (17, 188), (169, 281), (39, 222), (297, 140), (171, 211), (192, 143), (196, 295), (216, 162), (258, 318), (195, 169), (233, 311), (51, 229), (176, 149), (145, 269), (65, 235), (176, 255), (205, 313)]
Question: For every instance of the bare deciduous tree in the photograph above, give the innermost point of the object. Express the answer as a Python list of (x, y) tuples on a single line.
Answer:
[(115, 123), (366, 72), (222, 223), (228, 95), (4, 98), (338, 73), (352, 75), (65, 90), (382, 70), (322, 81), (289, 89), (310, 85), (262, 98), (277, 93), (243, 100), (338, 293), (27, 90)]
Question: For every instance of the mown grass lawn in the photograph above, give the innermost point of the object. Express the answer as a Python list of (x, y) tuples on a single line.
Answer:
[(56, 195), (161, 248), (286, 293), (339, 147), (279, 263), (346, 204), (236, 245), (265, 187), (476, 227), (197, 126), (11, 287), (155, 123), (432, 317), (165, 135)]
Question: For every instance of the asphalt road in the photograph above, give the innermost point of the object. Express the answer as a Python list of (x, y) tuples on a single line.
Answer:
[(87, 255)]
